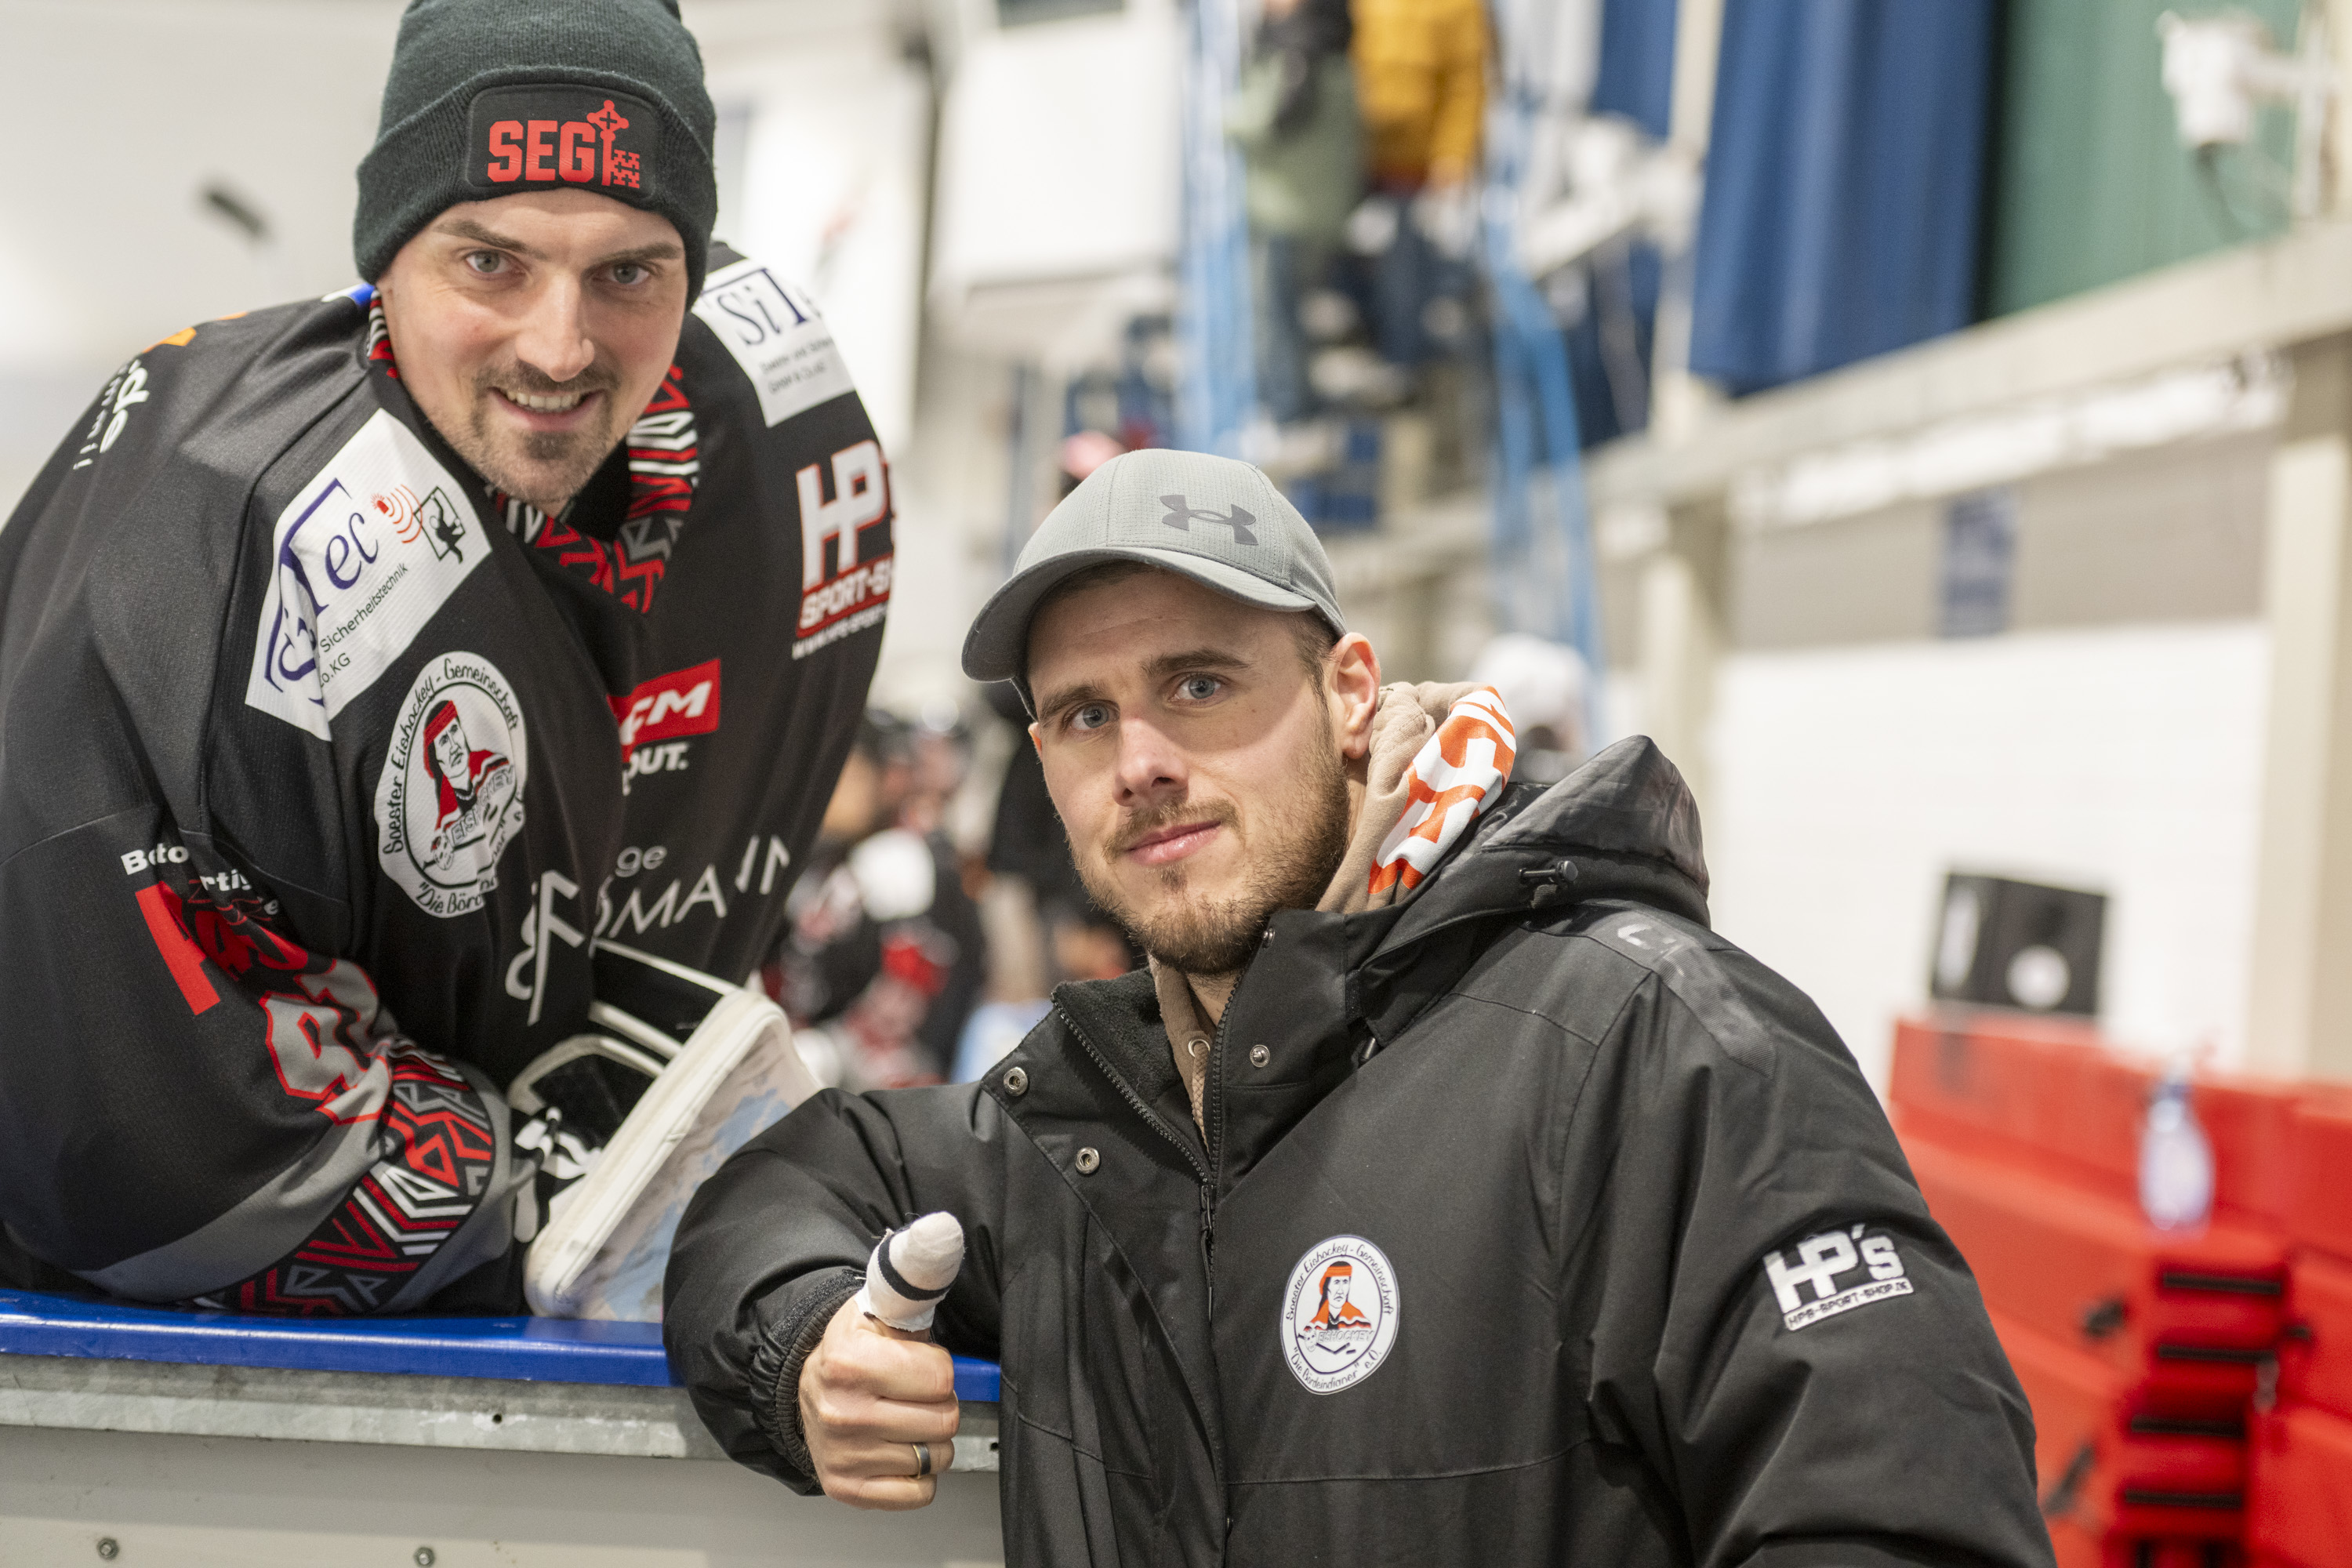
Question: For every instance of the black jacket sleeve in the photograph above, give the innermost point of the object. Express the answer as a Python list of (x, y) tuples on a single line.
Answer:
[(1785, 1335), (774, 1243)]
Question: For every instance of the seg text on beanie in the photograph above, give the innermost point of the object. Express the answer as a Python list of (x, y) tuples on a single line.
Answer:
[(490, 98)]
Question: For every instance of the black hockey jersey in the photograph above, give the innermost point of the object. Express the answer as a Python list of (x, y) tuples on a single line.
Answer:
[(322, 767)]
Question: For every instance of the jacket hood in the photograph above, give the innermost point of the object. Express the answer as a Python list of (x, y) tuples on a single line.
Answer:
[(1623, 826)]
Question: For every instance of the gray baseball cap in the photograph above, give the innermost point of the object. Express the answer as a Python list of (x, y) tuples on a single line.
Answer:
[(1218, 521)]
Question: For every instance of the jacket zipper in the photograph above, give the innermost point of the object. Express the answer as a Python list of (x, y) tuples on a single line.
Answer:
[(1152, 1119), (1213, 1112)]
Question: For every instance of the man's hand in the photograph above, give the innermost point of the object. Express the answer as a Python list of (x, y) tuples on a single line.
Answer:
[(869, 1394)]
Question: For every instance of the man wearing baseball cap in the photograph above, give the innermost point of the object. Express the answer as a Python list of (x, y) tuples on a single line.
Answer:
[(1636, 1273), (413, 700)]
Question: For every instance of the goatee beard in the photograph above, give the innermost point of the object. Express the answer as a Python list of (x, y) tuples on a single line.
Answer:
[(1294, 854), (559, 463)]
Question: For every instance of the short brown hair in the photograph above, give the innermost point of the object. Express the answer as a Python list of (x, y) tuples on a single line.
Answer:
[(1310, 634)]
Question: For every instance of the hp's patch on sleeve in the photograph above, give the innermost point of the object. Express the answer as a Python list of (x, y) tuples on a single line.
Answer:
[(1835, 1272)]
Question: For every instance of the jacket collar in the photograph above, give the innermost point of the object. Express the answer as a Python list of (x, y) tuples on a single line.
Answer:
[(1327, 988)]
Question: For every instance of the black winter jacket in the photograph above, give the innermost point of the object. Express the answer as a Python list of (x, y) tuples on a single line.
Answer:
[(1634, 1271)]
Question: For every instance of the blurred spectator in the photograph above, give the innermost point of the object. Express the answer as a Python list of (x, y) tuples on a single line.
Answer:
[(1081, 455), (1296, 123), (1545, 688), (1420, 87), (885, 958)]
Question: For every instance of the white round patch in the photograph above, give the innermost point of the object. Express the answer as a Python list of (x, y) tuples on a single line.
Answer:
[(1339, 1314), (450, 795)]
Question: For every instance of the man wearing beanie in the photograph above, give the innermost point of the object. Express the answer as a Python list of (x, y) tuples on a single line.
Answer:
[(415, 702), (1445, 1193)]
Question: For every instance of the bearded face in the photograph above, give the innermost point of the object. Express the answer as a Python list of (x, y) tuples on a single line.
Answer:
[(1198, 761), (533, 330)]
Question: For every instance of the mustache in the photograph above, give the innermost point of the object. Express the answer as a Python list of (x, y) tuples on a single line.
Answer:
[(520, 377), (1142, 824)]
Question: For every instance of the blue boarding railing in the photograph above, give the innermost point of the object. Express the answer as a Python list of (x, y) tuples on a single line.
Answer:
[(538, 1350)]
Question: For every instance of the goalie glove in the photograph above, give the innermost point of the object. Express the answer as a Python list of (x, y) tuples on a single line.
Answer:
[(605, 1244)]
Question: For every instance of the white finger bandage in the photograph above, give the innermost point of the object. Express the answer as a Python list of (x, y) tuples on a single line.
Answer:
[(911, 1269)]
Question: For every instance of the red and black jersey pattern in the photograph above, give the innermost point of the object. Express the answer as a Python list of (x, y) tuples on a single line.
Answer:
[(665, 462), (379, 340), (443, 1150)]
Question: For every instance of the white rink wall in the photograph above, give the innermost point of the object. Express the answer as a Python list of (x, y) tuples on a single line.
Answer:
[(1846, 782)]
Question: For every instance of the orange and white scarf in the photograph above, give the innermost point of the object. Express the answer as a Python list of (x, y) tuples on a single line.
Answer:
[(1440, 755)]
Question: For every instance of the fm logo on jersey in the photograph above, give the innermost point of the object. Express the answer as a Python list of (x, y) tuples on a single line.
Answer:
[(1821, 1262), (450, 795), (1339, 1314), (842, 591), (358, 565), (657, 715), (523, 138)]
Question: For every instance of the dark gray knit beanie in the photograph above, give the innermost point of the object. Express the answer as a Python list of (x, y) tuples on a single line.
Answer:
[(490, 98)]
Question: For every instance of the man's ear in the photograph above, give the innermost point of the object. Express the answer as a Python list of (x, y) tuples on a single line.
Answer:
[(1034, 741), (1351, 683)]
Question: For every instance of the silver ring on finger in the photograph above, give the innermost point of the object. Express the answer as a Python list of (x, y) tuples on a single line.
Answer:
[(922, 1459)]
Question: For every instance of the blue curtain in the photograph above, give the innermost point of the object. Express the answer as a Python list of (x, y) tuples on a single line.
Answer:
[(1844, 179), (1636, 69), (1636, 78)]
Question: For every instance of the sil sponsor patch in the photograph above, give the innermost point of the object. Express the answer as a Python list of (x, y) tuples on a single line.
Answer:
[(358, 562), (776, 335), (450, 796)]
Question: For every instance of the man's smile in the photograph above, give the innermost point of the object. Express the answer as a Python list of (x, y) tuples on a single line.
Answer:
[(550, 410), (1165, 846)]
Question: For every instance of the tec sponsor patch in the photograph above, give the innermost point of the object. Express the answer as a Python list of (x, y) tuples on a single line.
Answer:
[(450, 796), (358, 562), (776, 335), (1834, 1272)]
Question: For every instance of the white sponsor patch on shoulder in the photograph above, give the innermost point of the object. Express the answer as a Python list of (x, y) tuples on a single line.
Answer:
[(1816, 1285), (450, 796), (776, 335), (359, 563)]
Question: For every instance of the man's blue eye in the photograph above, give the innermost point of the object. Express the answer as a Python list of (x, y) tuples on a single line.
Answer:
[(1092, 716), (1200, 687)]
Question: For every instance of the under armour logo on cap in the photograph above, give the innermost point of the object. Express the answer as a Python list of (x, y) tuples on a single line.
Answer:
[(1183, 515)]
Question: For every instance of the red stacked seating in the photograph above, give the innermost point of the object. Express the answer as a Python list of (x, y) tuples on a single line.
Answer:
[(2139, 1349), (2300, 1494)]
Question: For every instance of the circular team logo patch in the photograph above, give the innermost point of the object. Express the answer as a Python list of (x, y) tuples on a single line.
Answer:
[(450, 795), (1339, 1314)]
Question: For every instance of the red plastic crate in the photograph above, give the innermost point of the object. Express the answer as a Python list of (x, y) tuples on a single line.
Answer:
[(2187, 1318), (2110, 1470), (2315, 1358), (2050, 1096), (2299, 1490), (2079, 1548), (2319, 1213)]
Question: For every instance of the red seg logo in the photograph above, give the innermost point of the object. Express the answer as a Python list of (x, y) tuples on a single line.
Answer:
[(522, 137)]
